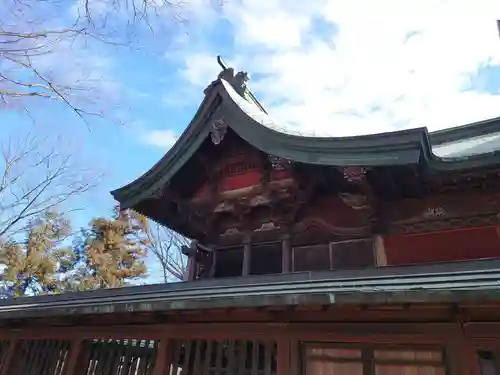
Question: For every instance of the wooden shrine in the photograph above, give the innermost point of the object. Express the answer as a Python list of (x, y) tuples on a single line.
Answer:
[(367, 255)]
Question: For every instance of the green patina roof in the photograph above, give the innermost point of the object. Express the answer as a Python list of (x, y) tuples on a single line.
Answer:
[(471, 281), (462, 147)]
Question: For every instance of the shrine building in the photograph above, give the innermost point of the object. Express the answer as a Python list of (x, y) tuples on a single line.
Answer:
[(366, 255)]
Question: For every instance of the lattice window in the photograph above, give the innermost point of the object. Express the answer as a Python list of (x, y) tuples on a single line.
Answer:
[(125, 357), (46, 357), (226, 357), (352, 254), (265, 259), (334, 359), (311, 258), (229, 263), (336, 255)]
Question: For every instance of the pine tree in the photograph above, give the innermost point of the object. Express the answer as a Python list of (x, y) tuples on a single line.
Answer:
[(35, 264), (114, 251)]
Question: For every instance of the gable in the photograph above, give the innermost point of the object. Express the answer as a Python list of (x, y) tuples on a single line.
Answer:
[(188, 168)]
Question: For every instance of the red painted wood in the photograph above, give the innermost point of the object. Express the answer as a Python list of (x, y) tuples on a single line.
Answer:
[(283, 357), (240, 181), (203, 191), (234, 182), (279, 175), (163, 359), (71, 367), (452, 245)]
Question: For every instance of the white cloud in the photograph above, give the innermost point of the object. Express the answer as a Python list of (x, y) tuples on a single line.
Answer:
[(160, 138), (390, 64), (199, 67)]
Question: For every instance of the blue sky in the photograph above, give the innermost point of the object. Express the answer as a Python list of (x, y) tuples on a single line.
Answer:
[(327, 67)]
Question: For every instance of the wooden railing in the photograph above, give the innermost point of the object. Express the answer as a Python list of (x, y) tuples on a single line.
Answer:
[(39, 357), (251, 349), (124, 357), (139, 357), (88, 357), (210, 357)]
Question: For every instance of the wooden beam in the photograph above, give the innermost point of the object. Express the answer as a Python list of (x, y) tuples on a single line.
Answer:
[(464, 355), (7, 360), (190, 251), (348, 332), (164, 357), (283, 357), (74, 353), (295, 357)]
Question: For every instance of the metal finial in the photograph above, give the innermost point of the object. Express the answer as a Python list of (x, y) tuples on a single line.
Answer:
[(221, 62)]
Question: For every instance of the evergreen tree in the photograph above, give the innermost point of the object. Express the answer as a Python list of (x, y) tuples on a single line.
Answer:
[(114, 251), (37, 263), (108, 254)]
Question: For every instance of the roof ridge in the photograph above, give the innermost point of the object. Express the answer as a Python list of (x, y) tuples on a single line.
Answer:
[(238, 81)]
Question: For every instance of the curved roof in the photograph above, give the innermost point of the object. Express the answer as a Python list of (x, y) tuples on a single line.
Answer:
[(456, 148)]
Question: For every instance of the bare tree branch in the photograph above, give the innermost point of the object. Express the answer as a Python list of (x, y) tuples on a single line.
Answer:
[(35, 178), (45, 47), (166, 245)]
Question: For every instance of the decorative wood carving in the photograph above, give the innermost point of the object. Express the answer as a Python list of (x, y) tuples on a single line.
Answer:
[(224, 206), (359, 195), (355, 175), (231, 232), (238, 81), (259, 200), (433, 212), (279, 164), (445, 224), (446, 206), (453, 182), (218, 131), (320, 225), (266, 226), (355, 201)]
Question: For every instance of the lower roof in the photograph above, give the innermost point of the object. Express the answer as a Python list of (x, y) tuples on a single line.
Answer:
[(440, 282)]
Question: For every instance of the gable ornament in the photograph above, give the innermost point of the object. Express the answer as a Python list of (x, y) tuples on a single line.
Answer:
[(218, 131), (277, 163)]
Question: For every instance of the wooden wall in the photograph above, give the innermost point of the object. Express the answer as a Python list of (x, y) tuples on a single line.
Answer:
[(442, 246), (255, 349)]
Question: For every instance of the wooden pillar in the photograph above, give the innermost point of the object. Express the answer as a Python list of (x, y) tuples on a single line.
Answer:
[(9, 357), (190, 251), (286, 254), (469, 357), (463, 358), (163, 358), (283, 357), (379, 251), (295, 357), (191, 268), (461, 349), (72, 366), (247, 255)]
